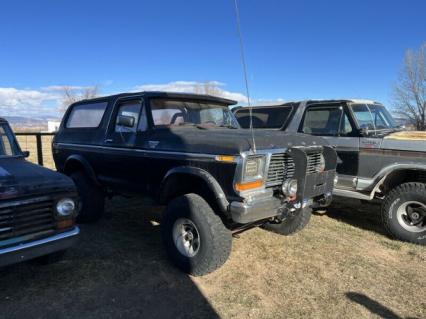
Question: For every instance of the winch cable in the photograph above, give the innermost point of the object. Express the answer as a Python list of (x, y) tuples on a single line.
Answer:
[(244, 65)]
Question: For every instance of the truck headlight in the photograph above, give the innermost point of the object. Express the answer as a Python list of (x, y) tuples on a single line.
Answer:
[(254, 168), (322, 163), (65, 207), (289, 188)]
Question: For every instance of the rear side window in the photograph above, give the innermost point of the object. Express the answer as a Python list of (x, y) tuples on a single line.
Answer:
[(265, 117), (86, 115)]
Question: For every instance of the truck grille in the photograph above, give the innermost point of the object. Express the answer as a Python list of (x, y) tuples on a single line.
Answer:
[(282, 167), (314, 162), (25, 218)]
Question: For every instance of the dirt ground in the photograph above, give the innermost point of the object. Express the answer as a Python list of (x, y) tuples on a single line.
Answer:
[(341, 266)]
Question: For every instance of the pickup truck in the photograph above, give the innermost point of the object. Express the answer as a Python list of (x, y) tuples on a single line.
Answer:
[(37, 207), (187, 152), (377, 159)]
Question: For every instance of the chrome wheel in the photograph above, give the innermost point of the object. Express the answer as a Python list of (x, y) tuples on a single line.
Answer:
[(186, 237), (412, 216)]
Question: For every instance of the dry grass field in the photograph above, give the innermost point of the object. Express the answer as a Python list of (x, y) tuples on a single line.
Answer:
[(28, 143), (340, 266)]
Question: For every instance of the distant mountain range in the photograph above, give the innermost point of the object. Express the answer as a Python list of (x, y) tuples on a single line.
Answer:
[(22, 122)]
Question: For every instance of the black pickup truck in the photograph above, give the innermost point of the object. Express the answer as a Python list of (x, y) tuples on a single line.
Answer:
[(37, 207), (187, 151), (377, 159)]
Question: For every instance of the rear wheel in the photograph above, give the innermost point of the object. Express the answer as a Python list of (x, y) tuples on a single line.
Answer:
[(291, 224), (92, 200), (195, 238), (404, 213)]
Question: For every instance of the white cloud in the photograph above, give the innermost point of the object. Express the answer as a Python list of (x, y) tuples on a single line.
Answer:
[(61, 87), (193, 87), (24, 101)]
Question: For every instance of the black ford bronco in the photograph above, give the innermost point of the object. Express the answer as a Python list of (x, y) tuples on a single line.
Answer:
[(377, 159), (188, 152), (37, 206)]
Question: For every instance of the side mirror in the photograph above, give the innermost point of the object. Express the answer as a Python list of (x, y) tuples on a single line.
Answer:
[(26, 154), (127, 121)]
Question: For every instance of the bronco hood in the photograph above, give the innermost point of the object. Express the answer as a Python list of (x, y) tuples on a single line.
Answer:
[(227, 141), (406, 140), (19, 177)]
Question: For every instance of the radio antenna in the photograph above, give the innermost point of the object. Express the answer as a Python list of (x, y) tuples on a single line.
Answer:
[(244, 65)]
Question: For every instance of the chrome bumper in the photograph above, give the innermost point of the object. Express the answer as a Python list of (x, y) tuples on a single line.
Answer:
[(37, 248), (243, 212)]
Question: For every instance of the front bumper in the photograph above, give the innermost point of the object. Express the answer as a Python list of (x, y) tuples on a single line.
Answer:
[(314, 190), (37, 248)]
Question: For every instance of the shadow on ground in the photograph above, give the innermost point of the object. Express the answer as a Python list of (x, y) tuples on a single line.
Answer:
[(118, 270), (356, 213), (373, 306)]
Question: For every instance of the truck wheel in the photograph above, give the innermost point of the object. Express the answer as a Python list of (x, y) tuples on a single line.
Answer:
[(291, 224), (195, 238), (92, 201), (404, 213)]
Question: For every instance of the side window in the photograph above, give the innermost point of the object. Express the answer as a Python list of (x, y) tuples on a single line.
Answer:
[(86, 115), (128, 110), (322, 121), (5, 145), (346, 128)]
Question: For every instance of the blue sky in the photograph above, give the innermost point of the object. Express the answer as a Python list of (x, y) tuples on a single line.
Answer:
[(294, 49)]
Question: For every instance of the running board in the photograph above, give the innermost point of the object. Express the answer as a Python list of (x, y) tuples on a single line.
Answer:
[(351, 194)]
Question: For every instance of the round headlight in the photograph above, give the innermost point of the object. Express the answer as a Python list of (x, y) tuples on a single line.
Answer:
[(65, 207), (290, 187)]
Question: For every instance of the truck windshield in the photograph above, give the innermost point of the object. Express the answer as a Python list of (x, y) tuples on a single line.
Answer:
[(8, 146), (373, 117), (180, 113)]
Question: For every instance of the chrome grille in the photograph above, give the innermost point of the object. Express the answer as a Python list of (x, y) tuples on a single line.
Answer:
[(29, 217), (314, 163), (281, 167)]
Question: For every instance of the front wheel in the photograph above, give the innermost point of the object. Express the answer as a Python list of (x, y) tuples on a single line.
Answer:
[(291, 224), (91, 197), (404, 213), (195, 238)]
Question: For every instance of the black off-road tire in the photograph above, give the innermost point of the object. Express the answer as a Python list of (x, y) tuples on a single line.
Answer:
[(404, 193), (215, 240), (51, 258), (92, 199), (291, 224)]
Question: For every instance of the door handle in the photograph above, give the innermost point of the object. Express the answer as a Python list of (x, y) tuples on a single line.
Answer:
[(109, 140)]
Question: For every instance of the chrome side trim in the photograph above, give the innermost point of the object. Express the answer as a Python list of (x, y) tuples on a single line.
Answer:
[(142, 151), (71, 233), (350, 194)]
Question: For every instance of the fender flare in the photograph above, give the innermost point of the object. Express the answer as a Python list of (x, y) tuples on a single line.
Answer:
[(381, 177), (80, 160), (209, 180)]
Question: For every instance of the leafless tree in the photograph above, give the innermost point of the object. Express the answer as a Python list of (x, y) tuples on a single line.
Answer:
[(209, 87), (410, 91), (71, 95)]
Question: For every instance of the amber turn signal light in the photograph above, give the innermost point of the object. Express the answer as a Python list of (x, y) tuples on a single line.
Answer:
[(247, 186), (66, 223)]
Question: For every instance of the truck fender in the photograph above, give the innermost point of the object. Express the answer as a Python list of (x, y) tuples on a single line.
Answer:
[(79, 161), (384, 173), (209, 180)]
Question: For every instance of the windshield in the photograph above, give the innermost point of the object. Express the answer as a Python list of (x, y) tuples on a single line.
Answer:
[(373, 117), (179, 113), (8, 146)]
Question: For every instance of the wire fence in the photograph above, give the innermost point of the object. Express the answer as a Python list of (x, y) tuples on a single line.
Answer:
[(39, 145)]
